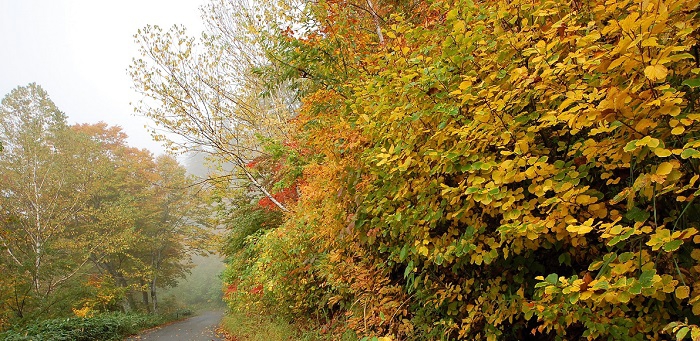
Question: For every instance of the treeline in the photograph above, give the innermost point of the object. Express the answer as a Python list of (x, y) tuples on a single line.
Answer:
[(87, 223), (449, 169)]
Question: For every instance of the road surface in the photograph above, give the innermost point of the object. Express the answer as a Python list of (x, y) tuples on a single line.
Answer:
[(197, 328)]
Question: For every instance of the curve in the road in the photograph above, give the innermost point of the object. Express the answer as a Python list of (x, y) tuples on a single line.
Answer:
[(197, 328)]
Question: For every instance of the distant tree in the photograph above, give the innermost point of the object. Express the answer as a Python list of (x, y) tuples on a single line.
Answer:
[(44, 185), (149, 214), (175, 231)]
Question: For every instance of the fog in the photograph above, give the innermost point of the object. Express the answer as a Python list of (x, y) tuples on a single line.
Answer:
[(202, 288)]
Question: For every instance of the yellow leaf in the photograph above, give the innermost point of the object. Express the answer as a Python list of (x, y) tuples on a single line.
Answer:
[(586, 295), (662, 152), (678, 130), (645, 124), (652, 142), (459, 26), (617, 62), (672, 110), (682, 292), (580, 229), (651, 41), (664, 168), (423, 250), (656, 72), (451, 15), (630, 22), (505, 136)]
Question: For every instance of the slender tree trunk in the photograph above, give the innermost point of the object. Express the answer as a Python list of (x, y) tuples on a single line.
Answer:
[(144, 297), (259, 186), (377, 22), (154, 297)]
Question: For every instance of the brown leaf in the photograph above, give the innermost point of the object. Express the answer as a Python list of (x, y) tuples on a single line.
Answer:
[(587, 279)]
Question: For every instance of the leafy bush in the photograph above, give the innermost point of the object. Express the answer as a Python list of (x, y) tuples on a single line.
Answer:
[(496, 170), (112, 326), (537, 175)]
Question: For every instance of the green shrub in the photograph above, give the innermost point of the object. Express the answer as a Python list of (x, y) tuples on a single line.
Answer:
[(111, 326)]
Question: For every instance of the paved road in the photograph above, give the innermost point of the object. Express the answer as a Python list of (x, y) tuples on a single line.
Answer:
[(197, 328)]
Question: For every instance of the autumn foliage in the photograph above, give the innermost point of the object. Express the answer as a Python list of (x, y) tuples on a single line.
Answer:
[(495, 170), (86, 221)]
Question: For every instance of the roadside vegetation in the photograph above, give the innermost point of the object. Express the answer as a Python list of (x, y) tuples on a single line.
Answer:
[(448, 169), (106, 326)]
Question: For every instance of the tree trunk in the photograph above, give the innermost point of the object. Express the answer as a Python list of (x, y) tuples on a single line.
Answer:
[(144, 297), (154, 297), (128, 303)]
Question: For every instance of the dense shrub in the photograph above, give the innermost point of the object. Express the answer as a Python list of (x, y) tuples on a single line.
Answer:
[(112, 326), (497, 170)]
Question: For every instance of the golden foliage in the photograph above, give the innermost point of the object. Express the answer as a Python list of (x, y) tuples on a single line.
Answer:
[(501, 170)]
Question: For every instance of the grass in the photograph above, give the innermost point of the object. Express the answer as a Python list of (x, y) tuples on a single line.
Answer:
[(253, 326)]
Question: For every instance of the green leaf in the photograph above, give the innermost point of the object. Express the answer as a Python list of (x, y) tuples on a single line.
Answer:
[(471, 190), (602, 285), (682, 333), (690, 152), (623, 297), (693, 83), (574, 297), (552, 279), (624, 257), (637, 214), (636, 288), (645, 279), (673, 245), (630, 146), (409, 269), (565, 258)]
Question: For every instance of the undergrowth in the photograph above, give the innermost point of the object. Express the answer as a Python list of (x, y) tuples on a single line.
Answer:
[(109, 326)]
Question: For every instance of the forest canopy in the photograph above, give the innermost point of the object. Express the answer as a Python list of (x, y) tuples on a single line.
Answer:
[(87, 222)]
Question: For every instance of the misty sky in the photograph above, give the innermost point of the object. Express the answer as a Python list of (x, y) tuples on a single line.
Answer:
[(79, 52)]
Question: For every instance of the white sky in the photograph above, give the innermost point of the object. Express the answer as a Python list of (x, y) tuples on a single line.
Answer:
[(79, 52)]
